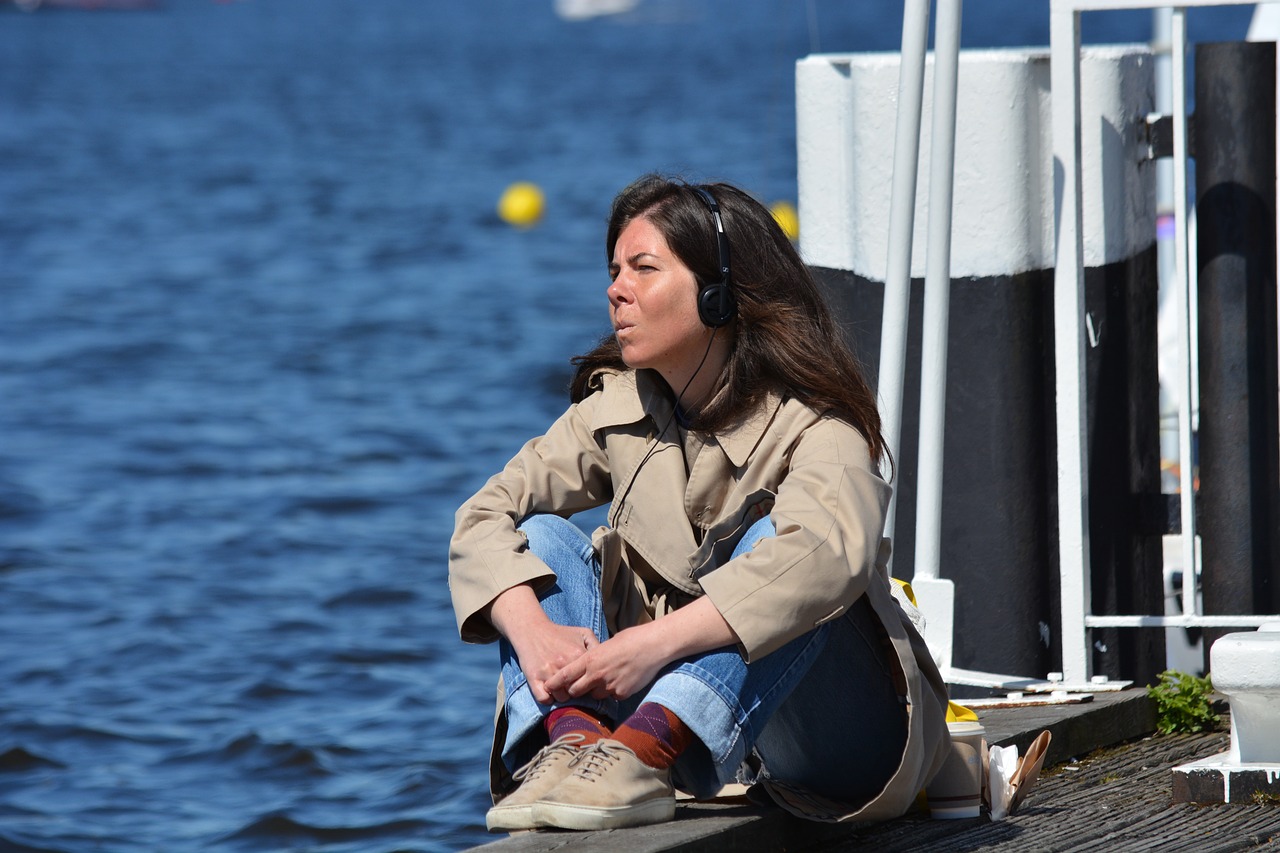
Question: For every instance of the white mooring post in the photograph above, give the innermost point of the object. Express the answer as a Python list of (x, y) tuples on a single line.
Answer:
[(1001, 259), (1052, 184)]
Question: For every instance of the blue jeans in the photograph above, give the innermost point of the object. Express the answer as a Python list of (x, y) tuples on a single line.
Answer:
[(821, 711)]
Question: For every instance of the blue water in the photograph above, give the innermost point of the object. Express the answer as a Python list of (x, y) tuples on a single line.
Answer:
[(261, 332)]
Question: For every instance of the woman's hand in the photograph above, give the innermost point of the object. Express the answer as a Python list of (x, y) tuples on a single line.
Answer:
[(546, 650), (631, 659), (614, 669), (542, 647)]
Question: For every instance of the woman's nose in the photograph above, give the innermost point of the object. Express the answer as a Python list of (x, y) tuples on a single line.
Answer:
[(618, 291)]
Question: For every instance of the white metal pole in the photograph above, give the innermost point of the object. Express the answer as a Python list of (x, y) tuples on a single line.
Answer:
[(1166, 264), (1265, 26), (1068, 312), (937, 292), (936, 595), (1182, 284), (902, 203)]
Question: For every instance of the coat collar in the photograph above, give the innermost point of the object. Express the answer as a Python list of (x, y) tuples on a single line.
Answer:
[(631, 396), (741, 437)]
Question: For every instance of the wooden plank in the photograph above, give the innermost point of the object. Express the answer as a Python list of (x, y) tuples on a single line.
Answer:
[(1076, 729)]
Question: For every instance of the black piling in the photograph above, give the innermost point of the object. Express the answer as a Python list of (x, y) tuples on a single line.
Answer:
[(999, 492), (1239, 509)]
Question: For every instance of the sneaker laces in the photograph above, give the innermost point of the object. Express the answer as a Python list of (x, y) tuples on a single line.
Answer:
[(593, 760), (540, 762)]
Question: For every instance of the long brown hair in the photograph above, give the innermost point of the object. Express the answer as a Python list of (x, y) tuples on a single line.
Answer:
[(783, 335)]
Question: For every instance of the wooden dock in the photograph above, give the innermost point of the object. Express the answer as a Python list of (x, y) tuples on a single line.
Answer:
[(1107, 786)]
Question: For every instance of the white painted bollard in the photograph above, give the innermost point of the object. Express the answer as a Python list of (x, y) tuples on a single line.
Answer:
[(1245, 667), (998, 493), (1003, 198)]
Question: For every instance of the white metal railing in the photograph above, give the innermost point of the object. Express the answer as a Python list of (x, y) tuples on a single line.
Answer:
[(1069, 331), (936, 594), (902, 210)]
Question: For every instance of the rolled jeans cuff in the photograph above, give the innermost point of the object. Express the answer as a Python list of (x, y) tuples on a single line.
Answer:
[(715, 720)]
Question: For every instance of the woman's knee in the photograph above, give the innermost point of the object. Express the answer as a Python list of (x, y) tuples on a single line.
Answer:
[(562, 546), (547, 534), (762, 529)]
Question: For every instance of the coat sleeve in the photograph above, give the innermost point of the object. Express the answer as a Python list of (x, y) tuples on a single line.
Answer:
[(828, 516), (562, 472)]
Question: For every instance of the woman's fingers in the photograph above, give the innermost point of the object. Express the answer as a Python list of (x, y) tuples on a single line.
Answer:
[(605, 671), (559, 685), (573, 680), (540, 693), (545, 650)]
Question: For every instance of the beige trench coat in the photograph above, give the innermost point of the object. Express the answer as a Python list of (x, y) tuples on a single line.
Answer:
[(672, 531)]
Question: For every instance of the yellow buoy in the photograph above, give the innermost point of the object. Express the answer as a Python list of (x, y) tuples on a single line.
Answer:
[(521, 204), (784, 213)]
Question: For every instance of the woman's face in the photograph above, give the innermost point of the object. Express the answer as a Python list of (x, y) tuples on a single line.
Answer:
[(653, 304)]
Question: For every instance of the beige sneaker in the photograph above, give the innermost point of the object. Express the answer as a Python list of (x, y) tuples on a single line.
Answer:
[(538, 777), (609, 788)]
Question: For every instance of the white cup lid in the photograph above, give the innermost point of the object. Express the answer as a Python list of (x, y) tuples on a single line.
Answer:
[(966, 727)]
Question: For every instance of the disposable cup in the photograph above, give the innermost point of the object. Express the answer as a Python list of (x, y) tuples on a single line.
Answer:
[(956, 792)]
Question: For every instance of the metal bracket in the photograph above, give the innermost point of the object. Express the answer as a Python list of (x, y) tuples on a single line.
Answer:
[(1158, 132)]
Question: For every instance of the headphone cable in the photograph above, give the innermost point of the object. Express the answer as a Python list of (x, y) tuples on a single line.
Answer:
[(676, 408)]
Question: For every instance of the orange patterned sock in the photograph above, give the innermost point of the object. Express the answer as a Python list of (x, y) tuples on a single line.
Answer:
[(563, 721), (655, 735)]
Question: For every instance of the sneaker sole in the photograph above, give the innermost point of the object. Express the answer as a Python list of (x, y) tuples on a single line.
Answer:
[(568, 816), (510, 818)]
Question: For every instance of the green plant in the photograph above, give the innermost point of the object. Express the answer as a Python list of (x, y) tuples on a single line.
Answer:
[(1183, 703)]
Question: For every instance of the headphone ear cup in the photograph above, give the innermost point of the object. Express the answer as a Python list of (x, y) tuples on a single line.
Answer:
[(716, 306)]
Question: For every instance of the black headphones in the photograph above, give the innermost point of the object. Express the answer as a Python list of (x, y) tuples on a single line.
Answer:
[(716, 305)]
